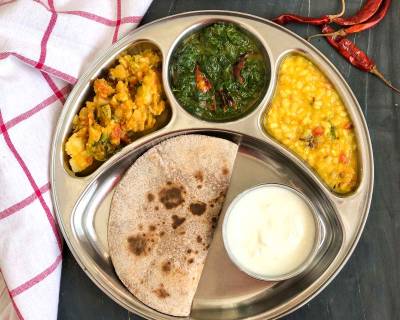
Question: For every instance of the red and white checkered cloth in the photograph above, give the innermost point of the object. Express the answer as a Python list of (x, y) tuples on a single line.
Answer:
[(44, 47)]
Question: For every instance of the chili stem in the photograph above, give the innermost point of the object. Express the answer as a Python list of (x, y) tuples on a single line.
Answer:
[(340, 14), (376, 72), (341, 33)]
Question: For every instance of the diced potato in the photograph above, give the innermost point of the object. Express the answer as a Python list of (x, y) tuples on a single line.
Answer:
[(74, 145), (75, 148), (117, 110), (119, 72), (94, 134), (81, 161), (102, 88)]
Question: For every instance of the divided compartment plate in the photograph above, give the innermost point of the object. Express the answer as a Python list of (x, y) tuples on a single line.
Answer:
[(82, 203)]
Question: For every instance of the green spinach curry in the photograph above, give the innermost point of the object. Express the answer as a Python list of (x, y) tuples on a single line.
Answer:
[(218, 73)]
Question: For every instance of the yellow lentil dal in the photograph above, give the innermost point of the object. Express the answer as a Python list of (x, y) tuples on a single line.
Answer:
[(125, 103), (308, 116)]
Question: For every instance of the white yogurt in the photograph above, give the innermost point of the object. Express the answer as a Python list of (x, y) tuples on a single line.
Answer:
[(270, 231)]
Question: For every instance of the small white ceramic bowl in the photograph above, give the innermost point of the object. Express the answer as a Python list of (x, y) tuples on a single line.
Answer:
[(303, 266)]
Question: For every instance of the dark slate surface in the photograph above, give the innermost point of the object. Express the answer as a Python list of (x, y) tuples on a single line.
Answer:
[(368, 287)]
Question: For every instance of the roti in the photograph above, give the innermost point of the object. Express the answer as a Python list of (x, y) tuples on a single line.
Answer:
[(163, 215)]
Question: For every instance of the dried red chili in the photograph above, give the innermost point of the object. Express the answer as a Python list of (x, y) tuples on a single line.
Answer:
[(202, 83), (227, 100), (354, 55), (237, 68), (378, 17), (286, 18), (366, 12)]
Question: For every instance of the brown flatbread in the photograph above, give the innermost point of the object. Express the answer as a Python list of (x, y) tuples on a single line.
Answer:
[(163, 215)]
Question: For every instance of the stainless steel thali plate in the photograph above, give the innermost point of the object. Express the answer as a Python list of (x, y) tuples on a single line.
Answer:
[(82, 203)]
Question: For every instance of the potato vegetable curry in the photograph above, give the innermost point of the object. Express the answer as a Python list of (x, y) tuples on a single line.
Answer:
[(128, 101), (218, 72), (308, 116)]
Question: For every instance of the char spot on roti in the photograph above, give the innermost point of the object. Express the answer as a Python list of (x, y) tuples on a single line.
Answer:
[(171, 197), (197, 208), (161, 292), (214, 222), (199, 176), (166, 267), (150, 197), (177, 221), (137, 244), (199, 239), (162, 266)]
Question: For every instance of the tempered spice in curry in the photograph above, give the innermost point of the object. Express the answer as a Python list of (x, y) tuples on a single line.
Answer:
[(128, 101), (308, 116)]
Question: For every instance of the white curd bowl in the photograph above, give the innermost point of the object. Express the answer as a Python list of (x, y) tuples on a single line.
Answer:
[(310, 240)]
